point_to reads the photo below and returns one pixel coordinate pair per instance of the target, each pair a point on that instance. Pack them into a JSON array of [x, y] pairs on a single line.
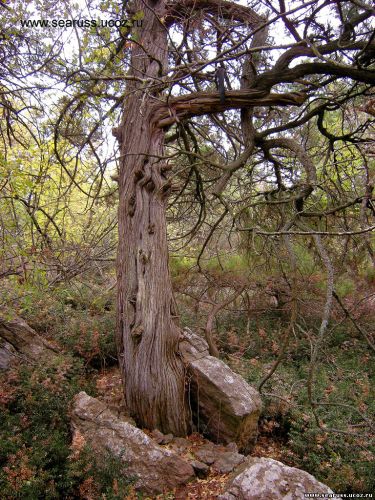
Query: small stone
[[206, 454], [157, 436], [201, 469], [167, 438], [227, 462], [232, 447], [180, 444]]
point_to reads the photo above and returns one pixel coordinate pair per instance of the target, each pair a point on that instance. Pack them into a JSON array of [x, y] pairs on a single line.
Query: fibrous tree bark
[[148, 333]]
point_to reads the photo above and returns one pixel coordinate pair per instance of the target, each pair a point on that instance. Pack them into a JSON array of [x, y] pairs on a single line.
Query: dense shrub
[[36, 459]]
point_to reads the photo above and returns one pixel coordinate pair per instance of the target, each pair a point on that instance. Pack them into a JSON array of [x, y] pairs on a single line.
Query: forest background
[[269, 209]]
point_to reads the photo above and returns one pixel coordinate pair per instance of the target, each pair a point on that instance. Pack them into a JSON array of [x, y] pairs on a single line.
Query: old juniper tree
[[287, 154], [287, 67]]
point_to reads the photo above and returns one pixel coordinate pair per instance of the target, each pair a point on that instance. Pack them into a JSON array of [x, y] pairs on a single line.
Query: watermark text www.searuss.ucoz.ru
[[80, 23]]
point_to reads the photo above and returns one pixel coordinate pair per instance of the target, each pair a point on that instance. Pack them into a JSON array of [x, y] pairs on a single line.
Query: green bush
[[35, 453], [179, 265], [90, 337], [344, 286], [340, 454]]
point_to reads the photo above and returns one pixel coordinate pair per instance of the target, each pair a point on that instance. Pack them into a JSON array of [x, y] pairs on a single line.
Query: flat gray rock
[[227, 462], [193, 346], [225, 407], [8, 355], [267, 479], [19, 339], [156, 469]]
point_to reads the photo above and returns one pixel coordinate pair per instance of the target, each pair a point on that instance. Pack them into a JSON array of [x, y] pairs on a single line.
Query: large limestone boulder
[[225, 407], [156, 469], [20, 342], [269, 479], [8, 355]]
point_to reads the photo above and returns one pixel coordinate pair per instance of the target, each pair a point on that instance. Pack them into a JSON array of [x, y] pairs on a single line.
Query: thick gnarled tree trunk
[[148, 333]]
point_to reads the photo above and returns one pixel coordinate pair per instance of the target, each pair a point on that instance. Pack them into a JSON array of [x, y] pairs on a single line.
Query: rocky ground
[[165, 466], [212, 463], [220, 472]]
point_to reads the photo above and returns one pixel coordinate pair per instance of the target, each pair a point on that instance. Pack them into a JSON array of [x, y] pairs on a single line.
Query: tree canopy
[[278, 175]]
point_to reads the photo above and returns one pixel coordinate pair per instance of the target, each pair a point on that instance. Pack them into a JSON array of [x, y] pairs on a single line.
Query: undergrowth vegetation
[[37, 459], [332, 441], [337, 447]]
